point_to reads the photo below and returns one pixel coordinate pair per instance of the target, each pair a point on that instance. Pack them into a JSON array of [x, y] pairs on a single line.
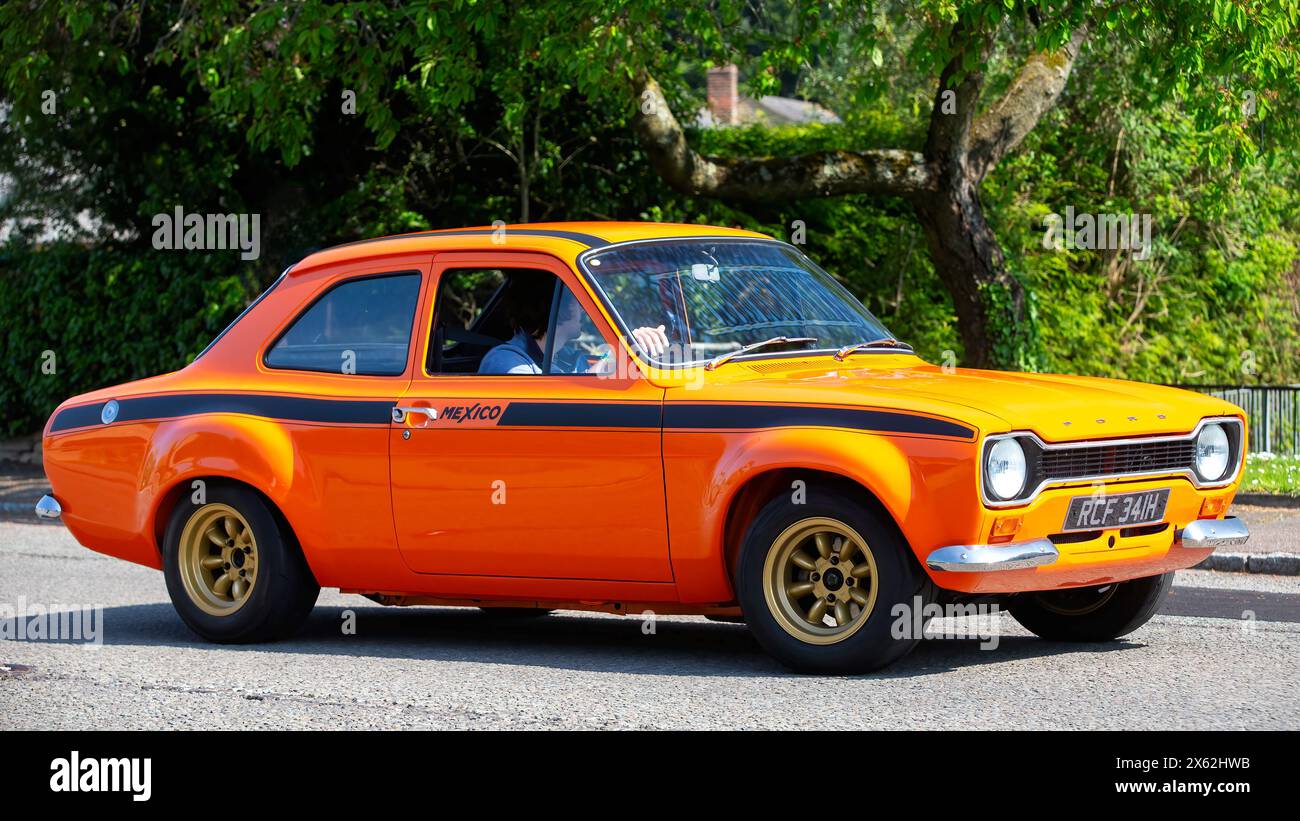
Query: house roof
[[773, 110]]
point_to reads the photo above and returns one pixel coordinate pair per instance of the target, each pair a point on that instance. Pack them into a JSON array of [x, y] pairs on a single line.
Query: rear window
[[361, 326]]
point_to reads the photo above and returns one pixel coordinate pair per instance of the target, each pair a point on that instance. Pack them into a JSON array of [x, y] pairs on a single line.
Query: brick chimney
[[724, 103]]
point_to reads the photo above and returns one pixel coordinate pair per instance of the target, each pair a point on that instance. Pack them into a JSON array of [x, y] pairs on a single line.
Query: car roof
[[563, 239]]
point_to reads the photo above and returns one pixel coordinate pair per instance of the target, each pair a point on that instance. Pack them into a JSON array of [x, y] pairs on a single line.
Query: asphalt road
[[1203, 663]]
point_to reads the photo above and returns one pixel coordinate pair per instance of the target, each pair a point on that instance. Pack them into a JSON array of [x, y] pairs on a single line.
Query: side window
[[465, 292], [513, 321], [468, 320], [361, 326], [575, 342]]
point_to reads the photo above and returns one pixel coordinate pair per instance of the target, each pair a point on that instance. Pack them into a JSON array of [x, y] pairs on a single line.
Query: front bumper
[[1213, 533], [1040, 564], [979, 558]]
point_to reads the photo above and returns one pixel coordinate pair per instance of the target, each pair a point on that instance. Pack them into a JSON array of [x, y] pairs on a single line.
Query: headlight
[[1005, 469], [1212, 453]]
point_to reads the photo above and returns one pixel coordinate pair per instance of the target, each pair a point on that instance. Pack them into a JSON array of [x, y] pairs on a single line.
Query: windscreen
[[715, 296]]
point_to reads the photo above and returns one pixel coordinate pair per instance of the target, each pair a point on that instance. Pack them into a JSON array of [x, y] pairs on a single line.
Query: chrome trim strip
[[48, 508], [1228, 532], [978, 558], [1099, 443]]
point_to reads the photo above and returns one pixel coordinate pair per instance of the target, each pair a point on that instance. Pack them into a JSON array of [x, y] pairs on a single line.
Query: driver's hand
[[652, 340]]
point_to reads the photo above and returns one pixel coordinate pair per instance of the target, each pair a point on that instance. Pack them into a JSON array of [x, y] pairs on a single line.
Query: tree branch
[[1032, 93], [768, 179]]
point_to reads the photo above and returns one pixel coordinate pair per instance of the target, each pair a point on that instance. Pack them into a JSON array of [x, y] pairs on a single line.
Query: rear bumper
[[48, 508], [1039, 564]]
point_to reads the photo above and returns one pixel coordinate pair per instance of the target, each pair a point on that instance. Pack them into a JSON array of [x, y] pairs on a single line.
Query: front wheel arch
[[758, 490], [789, 624]]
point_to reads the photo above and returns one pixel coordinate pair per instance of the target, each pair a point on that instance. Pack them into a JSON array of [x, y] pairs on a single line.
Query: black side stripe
[[672, 416], [748, 417], [590, 240], [580, 415], [724, 417], [289, 408], [78, 417]]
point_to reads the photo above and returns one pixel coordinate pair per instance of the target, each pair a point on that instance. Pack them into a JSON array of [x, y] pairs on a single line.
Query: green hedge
[[107, 315]]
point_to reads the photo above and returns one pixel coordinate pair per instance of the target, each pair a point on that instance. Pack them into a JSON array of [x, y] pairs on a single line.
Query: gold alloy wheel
[[820, 580], [218, 559], [1079, 601]]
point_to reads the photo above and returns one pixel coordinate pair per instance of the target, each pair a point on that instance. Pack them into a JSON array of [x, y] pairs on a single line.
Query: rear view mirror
[[704, 272]]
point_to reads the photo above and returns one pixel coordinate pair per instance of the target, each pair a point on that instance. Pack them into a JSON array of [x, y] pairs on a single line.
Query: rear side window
[[361, 326]]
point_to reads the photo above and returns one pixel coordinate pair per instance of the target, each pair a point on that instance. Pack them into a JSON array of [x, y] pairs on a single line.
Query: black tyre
[[1097, 613], [235, 574], [515, 613], [819, 583]]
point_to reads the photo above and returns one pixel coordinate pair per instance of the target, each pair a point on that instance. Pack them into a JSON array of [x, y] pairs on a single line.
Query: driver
[[527, 303]]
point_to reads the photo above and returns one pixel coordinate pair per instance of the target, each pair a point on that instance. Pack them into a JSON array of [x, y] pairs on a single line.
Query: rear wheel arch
[[234, 570], [180, 452], [183, 487]]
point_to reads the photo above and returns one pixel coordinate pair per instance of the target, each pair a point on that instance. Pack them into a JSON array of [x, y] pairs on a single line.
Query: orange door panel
[[544, 476], [511, 480]]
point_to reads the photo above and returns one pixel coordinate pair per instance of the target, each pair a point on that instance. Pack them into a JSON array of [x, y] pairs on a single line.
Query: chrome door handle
[[399, 413]]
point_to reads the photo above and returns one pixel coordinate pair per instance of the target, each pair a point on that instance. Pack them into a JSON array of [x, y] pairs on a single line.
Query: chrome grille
[[1115, 460], [1067, 463]]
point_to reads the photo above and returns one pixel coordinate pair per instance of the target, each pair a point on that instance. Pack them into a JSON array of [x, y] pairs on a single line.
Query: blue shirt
[[520, 355]]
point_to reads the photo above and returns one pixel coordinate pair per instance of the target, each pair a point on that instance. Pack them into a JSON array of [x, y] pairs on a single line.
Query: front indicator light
[[1212, 507], [1005, 528]]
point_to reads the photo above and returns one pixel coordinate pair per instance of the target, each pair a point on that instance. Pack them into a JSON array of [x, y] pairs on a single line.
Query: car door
[[554, 475]]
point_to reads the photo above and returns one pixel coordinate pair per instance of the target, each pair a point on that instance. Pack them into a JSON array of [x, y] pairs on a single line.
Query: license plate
[[1106, 511]]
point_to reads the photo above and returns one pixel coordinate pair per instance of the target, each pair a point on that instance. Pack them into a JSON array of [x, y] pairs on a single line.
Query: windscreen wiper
[[884, 342], [753, 346]]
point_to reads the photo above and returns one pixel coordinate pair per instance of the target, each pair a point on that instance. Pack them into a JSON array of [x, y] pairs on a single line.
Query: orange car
[[633, 417]]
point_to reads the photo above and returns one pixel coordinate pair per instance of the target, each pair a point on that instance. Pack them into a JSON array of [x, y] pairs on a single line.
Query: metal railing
[[1272, 411]]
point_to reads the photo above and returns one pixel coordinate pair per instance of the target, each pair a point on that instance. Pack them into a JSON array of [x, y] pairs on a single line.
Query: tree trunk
[[941, 182], [969, 261]]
